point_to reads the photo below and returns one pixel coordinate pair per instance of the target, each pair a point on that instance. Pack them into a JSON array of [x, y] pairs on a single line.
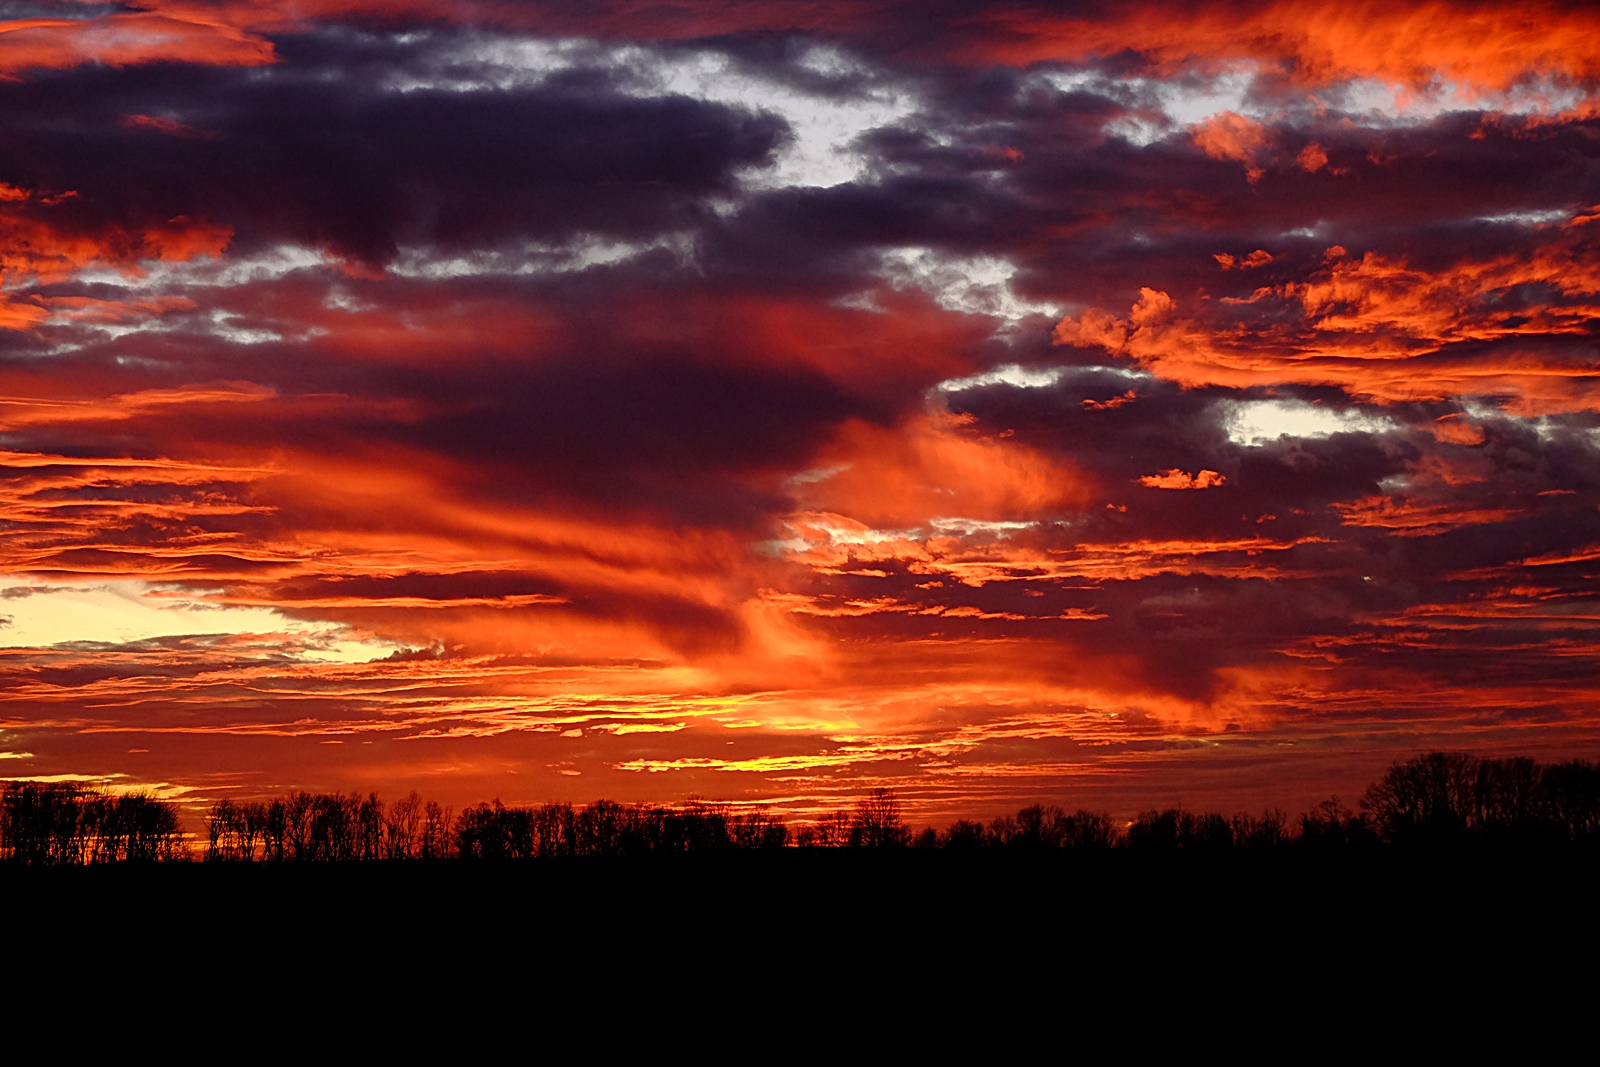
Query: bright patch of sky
[[1259, 422], [944, 526], [114, 330], [1526, 218], [836, 535], [1012, 374], [817, 474], [824, 126], [967, 527], [841, 535], [269, 265], [1160, 107], [973, 285], [1020, 377], [1547, 427], [119, 612], [277, 263], [492, 62], [1381, 103], [540, 258], [1183, 104], [222, 324]]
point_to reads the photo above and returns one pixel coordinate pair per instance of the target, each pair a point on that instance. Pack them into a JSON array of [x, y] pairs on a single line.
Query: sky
[[1111, 405]]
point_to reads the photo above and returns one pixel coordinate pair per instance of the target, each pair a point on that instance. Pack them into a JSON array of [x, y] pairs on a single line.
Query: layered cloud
[[1101, 404]]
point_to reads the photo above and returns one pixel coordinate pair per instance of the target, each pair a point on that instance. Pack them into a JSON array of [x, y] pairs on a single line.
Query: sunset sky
[[1111, 405]]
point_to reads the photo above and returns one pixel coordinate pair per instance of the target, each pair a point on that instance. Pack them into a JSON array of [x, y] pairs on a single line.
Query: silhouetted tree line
[[1439, 797], [1036, 827], [330, 827], [1445, 796], [55, 823], [305, 826], [605, 828], [1436, 798]]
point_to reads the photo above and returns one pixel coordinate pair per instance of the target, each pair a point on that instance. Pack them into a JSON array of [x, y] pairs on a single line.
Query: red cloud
[[1378, 326], [1230, 136], [1483, 46], [124, 39], [38, 246]]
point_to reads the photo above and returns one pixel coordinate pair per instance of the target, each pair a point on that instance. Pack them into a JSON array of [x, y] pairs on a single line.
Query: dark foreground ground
[[800, 901], [957, 941]]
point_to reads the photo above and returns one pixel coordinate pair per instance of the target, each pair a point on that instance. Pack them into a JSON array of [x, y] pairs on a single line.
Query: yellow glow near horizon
[[121, 612]]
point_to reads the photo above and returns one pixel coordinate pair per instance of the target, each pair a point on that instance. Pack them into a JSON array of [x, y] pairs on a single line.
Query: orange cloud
[[1457, 429], [1259, 258], [1407, 519], [18, 412], [1177, 479], [1379, 327], [1115, 402], [1312, 158], [1227, 135], [124, 39], [1484, 46], [38, 246], [19, 314], [934, 466]]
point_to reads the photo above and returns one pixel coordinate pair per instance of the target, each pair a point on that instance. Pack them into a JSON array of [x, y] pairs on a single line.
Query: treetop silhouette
[[1437, 798]]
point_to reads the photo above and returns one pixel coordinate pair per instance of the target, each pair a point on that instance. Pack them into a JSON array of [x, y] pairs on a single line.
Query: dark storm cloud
[[1154, 214], [335, 160], [650, 432]]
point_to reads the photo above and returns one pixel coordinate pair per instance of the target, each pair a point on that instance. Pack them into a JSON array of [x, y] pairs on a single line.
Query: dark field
[[1305, 916]]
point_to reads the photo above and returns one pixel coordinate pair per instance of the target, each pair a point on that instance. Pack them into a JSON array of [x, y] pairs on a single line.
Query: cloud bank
[[1002, 403]]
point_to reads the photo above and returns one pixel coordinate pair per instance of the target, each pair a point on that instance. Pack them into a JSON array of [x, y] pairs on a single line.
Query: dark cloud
[[337, 160]]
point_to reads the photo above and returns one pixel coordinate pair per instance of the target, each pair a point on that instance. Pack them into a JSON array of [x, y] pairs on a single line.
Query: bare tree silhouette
[[877, 822], [62, 823], [1431, 797]]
